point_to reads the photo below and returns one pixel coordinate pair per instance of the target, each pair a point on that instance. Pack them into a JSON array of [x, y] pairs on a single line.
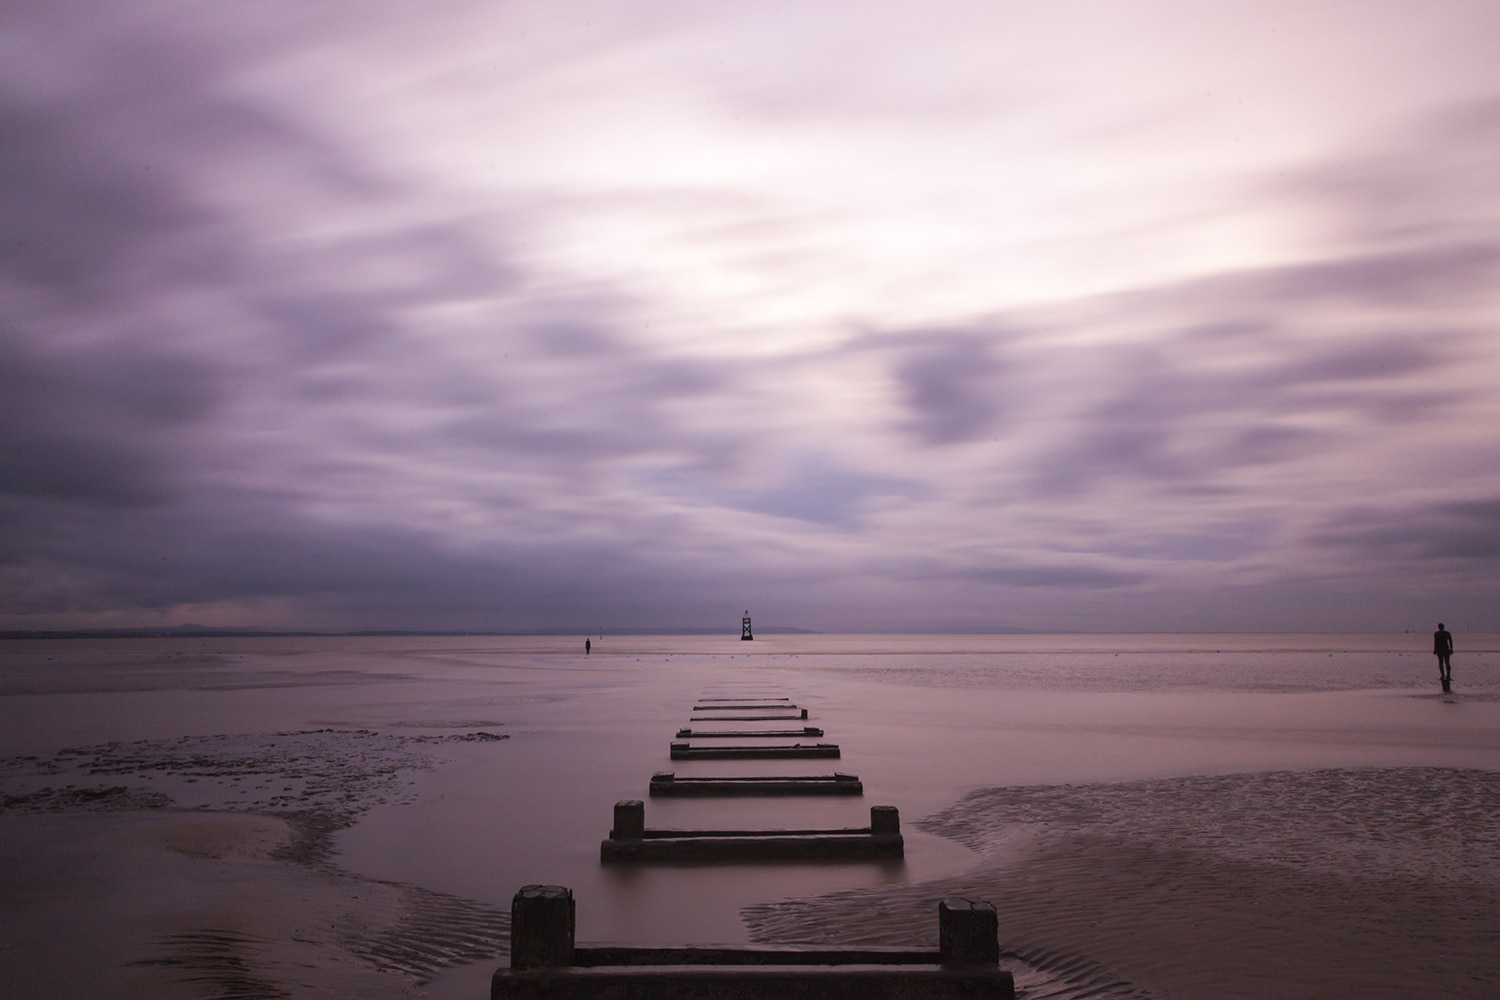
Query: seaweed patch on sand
[[232, 838], [1368, 882]]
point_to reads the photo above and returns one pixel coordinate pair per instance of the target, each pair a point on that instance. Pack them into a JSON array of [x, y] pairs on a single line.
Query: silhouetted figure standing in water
[[1442, 647], [588, 645]]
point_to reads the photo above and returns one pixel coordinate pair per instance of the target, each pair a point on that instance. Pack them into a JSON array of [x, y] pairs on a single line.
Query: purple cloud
[[374, 321]]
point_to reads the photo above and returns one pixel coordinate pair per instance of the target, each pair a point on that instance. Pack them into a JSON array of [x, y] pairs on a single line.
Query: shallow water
[[923, 720]]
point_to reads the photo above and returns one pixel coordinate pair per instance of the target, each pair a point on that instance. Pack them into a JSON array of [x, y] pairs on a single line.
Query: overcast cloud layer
[[1060, 315]]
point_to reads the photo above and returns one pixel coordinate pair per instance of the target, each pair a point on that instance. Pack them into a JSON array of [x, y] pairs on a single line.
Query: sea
[[442, 773]]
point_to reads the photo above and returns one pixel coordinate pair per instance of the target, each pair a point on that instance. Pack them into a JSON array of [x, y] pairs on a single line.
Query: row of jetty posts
[[546, 961]]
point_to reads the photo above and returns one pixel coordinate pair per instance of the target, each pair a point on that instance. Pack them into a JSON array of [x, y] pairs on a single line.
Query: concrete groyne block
[[667, 783], [715, 734], [748, 718], [685, 751], [768, 697], [966, 964], [880, 840]]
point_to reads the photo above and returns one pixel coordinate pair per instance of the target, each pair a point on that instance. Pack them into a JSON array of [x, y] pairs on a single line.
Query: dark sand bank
[[1379, 882]]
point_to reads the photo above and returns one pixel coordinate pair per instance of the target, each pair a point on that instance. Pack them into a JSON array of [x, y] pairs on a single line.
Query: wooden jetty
[[667, 783], [713, 734], [545, 961], [631, 841], [775, 751], [745, 706]]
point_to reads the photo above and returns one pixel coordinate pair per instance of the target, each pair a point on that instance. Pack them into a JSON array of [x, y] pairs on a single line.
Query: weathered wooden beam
[[765, 698], [779, 751], [667, 783], [751, 982], [747, 718], [745, 707], [714, 734], [966, 964], [612, 955], [881, 839]]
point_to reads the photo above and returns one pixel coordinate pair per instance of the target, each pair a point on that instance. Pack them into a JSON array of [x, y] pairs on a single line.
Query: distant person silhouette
[[1442, 648], [588, 645]]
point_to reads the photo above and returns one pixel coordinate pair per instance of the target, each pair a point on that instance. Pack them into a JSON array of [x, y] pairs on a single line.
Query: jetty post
[[630, 820], [885, 821], [542, 926], [968, 932]]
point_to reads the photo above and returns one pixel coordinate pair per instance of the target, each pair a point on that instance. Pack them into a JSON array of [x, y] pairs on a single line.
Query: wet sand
[[206, 867], [297, 818], [1374, 882]]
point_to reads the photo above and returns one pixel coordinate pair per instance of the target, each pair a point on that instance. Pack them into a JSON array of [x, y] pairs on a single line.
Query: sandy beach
[[268, 818]]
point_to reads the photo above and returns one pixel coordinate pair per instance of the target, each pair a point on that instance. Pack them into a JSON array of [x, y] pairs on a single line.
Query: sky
[[888, 316]]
